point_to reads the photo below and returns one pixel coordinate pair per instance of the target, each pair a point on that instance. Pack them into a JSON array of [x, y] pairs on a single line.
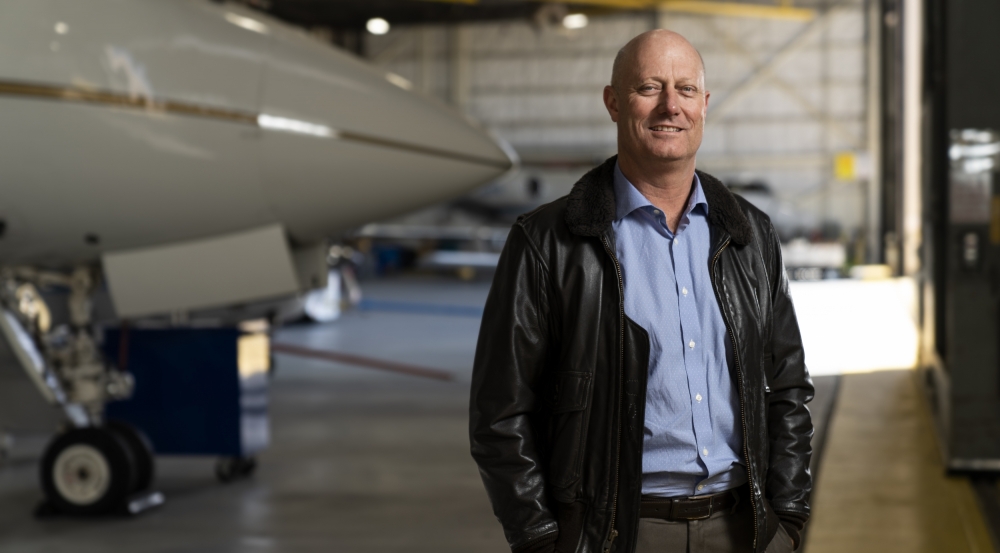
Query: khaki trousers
[[723, 532]]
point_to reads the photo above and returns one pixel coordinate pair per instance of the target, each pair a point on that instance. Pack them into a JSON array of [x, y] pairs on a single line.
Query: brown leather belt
[[687, 508]]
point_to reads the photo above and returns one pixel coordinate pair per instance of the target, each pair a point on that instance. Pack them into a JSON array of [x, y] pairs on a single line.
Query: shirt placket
[[694, 349]]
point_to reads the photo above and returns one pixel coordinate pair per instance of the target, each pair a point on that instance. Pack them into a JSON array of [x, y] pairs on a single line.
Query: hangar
[[245, 249]]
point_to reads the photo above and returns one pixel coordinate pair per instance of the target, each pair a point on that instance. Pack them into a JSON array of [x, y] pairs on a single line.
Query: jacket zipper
[[613, 533], [743, 413]]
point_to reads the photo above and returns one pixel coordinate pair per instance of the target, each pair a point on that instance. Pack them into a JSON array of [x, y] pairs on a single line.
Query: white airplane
[[188, 155]]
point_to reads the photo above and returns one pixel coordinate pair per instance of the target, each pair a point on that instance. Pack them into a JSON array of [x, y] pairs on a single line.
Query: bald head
[[626, 61], [658, 100]]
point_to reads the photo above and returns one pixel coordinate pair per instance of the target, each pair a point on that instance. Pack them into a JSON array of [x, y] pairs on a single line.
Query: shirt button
[[698, 398], [684, 291], [676, 240], [705, 452], [656, 212], [701, 487], [690, 344]]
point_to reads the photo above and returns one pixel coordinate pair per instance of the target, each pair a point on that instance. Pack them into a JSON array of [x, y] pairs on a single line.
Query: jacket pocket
[[571, 517], [570, 398]]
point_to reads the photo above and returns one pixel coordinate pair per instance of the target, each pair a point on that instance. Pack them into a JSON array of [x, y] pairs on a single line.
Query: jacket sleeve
[[790, 428], [510, 357]]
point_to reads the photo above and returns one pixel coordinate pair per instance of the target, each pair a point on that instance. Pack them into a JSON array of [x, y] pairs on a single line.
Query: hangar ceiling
[[351, 15]]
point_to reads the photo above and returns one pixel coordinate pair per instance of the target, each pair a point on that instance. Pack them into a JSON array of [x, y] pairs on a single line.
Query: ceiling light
[[399, 80], [377, 26], [575, 21], [62, 28]]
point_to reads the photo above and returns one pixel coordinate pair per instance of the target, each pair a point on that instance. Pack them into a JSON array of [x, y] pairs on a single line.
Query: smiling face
[[658, 99]]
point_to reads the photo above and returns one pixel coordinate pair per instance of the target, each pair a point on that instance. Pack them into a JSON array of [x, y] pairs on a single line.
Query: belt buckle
[[690, 512]]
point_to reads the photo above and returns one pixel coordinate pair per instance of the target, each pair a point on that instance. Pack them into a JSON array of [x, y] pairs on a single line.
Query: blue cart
[[198, 391]]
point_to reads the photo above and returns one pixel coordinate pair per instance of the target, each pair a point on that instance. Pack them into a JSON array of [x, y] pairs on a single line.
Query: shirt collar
[[628, 198]]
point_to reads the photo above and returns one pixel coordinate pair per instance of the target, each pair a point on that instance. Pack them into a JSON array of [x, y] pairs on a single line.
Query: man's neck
[[667, 185]]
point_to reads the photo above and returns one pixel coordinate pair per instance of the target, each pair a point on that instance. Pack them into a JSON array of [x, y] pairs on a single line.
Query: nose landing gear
[[97, 470]]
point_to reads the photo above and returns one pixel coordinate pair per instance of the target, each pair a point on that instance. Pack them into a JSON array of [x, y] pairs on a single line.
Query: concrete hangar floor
[[370, 460]]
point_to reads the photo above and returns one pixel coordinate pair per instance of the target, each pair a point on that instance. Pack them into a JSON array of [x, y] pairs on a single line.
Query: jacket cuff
[[541, 544], [793, 523]]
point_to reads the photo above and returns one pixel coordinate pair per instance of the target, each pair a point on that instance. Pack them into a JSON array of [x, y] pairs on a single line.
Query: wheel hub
[[81, 474]]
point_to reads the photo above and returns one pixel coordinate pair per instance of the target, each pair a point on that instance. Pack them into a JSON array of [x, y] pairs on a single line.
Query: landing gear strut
[[95, 466]]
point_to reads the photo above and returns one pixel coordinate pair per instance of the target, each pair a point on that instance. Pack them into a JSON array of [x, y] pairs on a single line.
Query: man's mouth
[[665, 128]]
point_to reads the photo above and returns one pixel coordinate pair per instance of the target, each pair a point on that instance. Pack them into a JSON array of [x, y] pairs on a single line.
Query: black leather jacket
[[559, 384]]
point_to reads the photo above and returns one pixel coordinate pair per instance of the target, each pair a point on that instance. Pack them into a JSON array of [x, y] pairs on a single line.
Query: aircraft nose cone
[[343, 146]]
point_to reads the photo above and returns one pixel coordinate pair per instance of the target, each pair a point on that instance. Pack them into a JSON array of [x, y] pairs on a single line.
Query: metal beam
[[460, 67], [759, 74], [913, 65], [764, 161], [595, 121], [708, 7], [873, 203], [734, 9], [426, 53], [789, 89], [586, 155], [402, 44]]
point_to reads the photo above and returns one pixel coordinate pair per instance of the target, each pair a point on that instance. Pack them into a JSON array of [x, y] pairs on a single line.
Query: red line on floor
[[361, 361]]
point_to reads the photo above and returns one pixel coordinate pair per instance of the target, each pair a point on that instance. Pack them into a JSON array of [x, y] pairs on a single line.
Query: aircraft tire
[[142, 453], [87, 471]]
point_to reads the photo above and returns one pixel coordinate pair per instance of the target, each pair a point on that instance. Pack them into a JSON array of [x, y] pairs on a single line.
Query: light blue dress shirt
[[693, 435]]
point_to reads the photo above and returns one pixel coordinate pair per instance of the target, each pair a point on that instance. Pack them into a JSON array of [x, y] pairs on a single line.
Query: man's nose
[[669, 102]]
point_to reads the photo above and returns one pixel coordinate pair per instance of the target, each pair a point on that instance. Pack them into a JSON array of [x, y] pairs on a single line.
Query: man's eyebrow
[[690, 82]]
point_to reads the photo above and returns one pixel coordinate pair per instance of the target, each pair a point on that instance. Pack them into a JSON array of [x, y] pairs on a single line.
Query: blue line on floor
[[421, 308]]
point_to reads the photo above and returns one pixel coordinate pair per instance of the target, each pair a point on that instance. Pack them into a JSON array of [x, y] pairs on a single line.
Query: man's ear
[[611, 102]]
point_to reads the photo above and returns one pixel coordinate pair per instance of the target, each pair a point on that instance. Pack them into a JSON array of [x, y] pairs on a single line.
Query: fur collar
[[590, 207]]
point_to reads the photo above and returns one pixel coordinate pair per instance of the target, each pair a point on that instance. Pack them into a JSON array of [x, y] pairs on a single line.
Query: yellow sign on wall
[[845, 166]]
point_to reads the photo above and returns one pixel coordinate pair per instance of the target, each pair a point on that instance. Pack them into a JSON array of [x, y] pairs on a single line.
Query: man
[[639, 383]]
